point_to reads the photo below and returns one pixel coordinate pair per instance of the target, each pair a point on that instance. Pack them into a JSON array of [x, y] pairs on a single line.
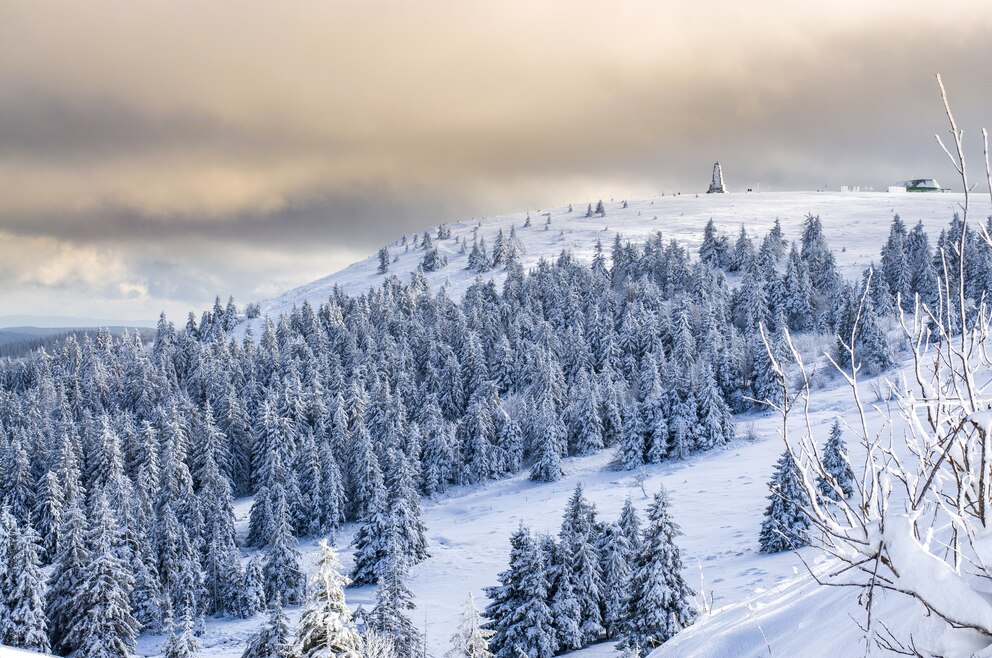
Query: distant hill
[[855, 225], [23, 321], [19, 341]]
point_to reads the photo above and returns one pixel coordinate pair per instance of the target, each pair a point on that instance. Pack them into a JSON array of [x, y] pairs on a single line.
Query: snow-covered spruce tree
[[895, 265], [860, 339], [478, 259], [616, 558], [630, 451], [182, 640], [630, 524], [582, 568], [389, 617], [28, 625], [751, 307], [364, 473], [610, 403], [715, 421], [518, 612], [922, 275], [471, 640], [65, 601], [653, 423], [384, 259], [562, 601], [17, 482], [9, 536], [744, 253], [476, 436], [839, 479], [766, 389], [683, 426], [371, 540], [252, 598], [550, 446], [438, 462], [187, 592], [47, 516], [433, 260], [404, 508], [305, 506], [820, 262], [326, 627], [713, 250], [272, 640], [509, 441], [330, 493], [585, 429], [797, 293], [222, 575], [660, 600], [786, 524], [106, 628], [281, 571]]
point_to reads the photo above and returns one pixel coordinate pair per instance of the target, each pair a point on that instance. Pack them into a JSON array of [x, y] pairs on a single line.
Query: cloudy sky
[[154, 154]]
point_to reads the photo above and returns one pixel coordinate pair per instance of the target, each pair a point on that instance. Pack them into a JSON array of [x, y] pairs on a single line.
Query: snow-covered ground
[[7, 652], [762, 604]]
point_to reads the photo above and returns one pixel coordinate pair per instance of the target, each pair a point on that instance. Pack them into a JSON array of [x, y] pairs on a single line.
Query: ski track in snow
[[718, 497]]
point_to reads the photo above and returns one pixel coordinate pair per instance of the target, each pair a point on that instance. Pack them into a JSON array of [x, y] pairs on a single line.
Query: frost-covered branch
[[917, 522]]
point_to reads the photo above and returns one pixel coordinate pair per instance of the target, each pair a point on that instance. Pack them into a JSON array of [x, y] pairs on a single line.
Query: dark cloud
[[236, 147]]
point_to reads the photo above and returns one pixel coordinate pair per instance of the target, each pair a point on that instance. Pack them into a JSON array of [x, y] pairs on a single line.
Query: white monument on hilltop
[[717, 186]]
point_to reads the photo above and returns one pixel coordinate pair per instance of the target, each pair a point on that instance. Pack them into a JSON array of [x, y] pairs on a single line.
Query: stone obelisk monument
[[717, 186]]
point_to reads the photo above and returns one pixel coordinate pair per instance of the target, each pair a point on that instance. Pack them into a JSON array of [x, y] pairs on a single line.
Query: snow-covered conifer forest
[[502, 438]]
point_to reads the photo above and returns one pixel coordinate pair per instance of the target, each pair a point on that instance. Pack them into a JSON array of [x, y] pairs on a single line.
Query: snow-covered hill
[[855, 224], [761, 604]]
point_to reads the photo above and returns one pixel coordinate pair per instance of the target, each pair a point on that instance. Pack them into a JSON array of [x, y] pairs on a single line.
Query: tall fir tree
[[837, 466], [28, 625], [389, 617], [281, 570], [550, 446], [66, 600], [786, 524], [182, 641], [273, 639], [222, 577], [630, 524], [631, 449], [371, 540], [585, 429], [582, 565], [107, 628], [660, 599], [326, 626], [616, 559], [520, 619], [404, 508], [48, 513], [471, 640]]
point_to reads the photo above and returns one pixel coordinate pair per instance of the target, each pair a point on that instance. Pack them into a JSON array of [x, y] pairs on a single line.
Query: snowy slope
[[759, 601], [855, 224], [718, 499]]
